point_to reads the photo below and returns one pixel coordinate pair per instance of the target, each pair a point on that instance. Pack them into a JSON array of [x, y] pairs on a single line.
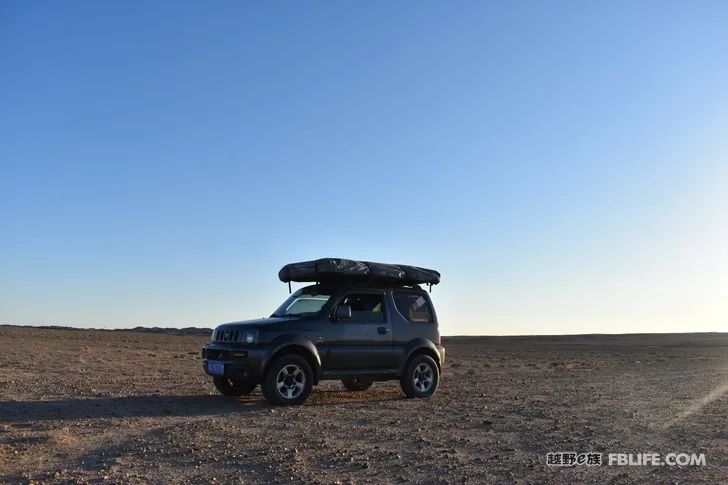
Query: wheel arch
[[296, 345], [418, 347]]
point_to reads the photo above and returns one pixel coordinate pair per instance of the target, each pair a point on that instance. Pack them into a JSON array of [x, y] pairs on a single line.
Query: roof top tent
[[336, 270]]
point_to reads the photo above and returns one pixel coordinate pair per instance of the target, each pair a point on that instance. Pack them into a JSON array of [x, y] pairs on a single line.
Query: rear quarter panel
[[408, 336]]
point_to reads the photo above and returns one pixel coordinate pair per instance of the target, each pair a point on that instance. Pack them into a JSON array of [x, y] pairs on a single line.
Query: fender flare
[[415, 346], [299, 344]]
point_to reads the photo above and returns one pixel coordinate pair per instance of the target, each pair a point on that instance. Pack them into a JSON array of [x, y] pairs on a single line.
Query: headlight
[[249, 336]]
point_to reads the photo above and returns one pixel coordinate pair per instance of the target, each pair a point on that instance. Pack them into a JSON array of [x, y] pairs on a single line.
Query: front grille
[[226, 336]]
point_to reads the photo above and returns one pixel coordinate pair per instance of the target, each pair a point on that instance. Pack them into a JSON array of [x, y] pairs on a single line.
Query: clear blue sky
[[563, 164]]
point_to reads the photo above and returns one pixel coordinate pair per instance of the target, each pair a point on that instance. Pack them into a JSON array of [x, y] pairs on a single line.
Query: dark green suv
[[361, 322]]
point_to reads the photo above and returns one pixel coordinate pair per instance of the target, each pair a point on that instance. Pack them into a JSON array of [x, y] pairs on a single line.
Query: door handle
[[383, 330]]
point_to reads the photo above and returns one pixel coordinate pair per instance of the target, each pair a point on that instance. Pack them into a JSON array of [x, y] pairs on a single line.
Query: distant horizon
[[194, 327]]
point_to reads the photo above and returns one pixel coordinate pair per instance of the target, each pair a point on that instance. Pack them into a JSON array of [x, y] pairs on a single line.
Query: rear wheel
[[421, 377], [356, 383], [288, 380], [229, 388]]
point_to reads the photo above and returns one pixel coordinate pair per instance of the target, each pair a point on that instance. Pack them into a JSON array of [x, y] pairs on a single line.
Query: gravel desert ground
[[85, 406]]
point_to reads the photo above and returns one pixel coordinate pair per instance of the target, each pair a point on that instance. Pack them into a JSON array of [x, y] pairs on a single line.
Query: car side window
[[365, 307], [413, 306]]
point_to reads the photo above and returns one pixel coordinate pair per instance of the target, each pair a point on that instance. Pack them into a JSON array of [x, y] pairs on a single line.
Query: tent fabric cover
[[336, 268]]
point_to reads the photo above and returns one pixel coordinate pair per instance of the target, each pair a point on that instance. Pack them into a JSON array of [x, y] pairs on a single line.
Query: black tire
[[288, 380], [354, 383], [421, 377], [230, 388]]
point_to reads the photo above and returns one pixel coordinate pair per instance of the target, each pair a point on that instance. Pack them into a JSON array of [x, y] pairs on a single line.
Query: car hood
[[256, 323]]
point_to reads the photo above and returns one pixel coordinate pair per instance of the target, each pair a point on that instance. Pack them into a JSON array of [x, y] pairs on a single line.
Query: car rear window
[[413, 306]]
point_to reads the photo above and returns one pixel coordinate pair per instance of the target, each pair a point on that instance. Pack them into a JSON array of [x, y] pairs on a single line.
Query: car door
[[364, 341]]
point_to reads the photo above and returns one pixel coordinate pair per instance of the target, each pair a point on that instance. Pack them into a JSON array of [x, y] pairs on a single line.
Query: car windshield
[[307, 302]]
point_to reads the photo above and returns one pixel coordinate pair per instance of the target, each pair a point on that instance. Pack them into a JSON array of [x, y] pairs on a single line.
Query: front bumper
[[241, 363]]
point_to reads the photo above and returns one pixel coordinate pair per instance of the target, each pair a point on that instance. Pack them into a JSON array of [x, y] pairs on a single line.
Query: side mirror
[[343, 312]]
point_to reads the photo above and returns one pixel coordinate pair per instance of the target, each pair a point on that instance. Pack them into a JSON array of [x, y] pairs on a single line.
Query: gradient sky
[[563, 164]]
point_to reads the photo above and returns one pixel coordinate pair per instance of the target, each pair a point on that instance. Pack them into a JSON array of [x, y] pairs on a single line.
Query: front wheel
[[421, 377], [356, 383], [229, 388], [288, 380]]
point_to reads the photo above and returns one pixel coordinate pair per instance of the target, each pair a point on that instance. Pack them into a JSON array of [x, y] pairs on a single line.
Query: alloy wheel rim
[[290, 381], [423, 377]]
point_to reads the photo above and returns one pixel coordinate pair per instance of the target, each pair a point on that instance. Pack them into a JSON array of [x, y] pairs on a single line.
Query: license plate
[[216, 368]]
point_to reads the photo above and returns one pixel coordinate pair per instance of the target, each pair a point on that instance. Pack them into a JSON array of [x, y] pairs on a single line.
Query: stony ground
[[128, 407]]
